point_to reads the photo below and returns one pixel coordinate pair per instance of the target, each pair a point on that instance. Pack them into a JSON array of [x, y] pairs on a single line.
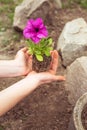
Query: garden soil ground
[[47, 108]]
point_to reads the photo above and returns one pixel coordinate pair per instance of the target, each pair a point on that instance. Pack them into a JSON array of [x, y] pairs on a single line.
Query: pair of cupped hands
[[25, 62]]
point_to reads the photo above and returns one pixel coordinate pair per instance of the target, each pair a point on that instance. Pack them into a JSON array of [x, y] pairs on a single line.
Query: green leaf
[[50, 41], [39, 57], [50, 48], [30, 51], [31, 44], [37, 52], [42, 41], [47, 53]]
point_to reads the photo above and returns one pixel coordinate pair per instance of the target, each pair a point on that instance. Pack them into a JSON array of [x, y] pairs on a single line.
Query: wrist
[[32, 78], [30, 83], [20, 70]]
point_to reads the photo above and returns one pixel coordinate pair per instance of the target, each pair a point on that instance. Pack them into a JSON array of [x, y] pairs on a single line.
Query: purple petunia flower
[[35, 30]]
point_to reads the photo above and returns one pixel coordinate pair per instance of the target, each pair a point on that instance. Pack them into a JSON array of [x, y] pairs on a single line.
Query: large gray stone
[[28, 7], [72, 42], [76, 79], [23, 11]]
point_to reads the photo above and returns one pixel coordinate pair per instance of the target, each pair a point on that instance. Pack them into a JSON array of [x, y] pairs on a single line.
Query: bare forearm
[[15, 93], [9, 68]]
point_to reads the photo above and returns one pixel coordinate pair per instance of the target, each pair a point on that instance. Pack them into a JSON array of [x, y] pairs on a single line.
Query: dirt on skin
[[47, 108]]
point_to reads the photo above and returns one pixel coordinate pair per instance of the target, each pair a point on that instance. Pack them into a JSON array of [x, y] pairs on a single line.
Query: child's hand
[[49, 76], [23, 60], [16, 92]]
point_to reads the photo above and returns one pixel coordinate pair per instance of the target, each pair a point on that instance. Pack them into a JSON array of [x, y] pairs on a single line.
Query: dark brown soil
[[41, 66], [84, 117], [47, 108]]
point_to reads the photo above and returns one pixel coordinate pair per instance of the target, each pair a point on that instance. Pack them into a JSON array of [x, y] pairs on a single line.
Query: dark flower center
[[36, 29]]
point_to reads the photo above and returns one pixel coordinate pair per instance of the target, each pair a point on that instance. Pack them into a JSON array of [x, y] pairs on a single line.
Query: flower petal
[[35, 39], [30, 22], [35, 30], [28, 33], [38, 22], [40, 36], [45, 32], [42, 33]]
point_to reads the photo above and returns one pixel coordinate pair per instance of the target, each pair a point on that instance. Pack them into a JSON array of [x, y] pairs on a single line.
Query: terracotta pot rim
[[81, 102]]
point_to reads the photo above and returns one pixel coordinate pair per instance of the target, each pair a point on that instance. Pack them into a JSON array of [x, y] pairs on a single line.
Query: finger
[[30, 59], [53, 78], [19, 55], [60, 78], [57, 78], [54, 63], [51, 52], [21, 51], [24, 49], [30, 63], [28, 53]]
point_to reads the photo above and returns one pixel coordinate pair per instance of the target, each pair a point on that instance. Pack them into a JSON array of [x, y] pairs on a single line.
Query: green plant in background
[[5, 42], [69, 3], [7, 12], [18, 1], [7, 8], [10, 16], [10, 1], [82, 3], [6, 1], [1, 128]]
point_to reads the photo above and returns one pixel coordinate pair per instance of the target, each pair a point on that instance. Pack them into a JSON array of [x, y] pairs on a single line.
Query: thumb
[[59, 78], [19, 55]]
